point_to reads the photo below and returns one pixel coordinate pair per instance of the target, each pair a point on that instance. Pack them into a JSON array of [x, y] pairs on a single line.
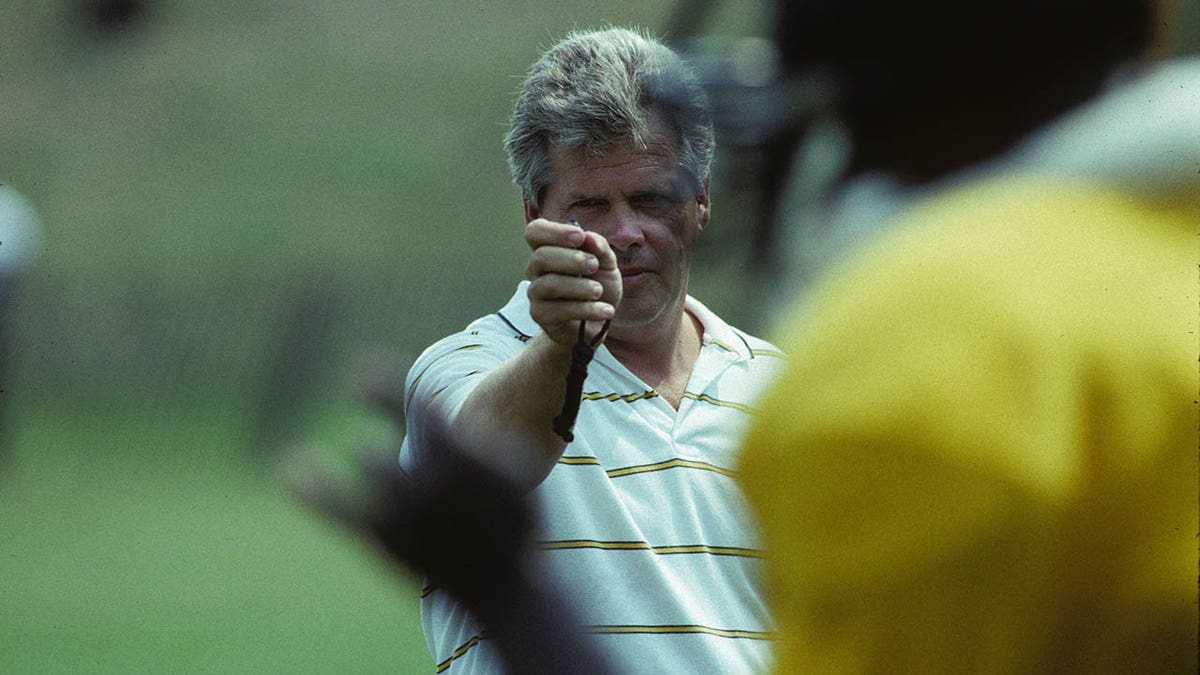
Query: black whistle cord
[[581, 356]]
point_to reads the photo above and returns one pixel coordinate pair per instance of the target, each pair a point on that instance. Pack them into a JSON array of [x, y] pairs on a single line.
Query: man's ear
[[531, 212], [704, 204]]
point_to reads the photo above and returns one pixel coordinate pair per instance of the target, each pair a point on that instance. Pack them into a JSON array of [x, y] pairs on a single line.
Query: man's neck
[[663, 359]]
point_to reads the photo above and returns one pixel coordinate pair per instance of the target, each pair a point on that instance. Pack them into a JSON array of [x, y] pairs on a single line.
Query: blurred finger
[[384, 473], [380, 381], [598, 246], [316, 486]]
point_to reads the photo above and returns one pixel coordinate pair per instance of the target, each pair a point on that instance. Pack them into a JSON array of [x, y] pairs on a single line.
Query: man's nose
[[623, 227]]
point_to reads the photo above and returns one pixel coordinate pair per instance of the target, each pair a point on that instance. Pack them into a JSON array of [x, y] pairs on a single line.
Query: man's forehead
[[653, 154]]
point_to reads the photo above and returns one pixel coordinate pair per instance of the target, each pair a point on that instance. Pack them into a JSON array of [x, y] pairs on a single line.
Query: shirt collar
[[516, 312], [716, 331]]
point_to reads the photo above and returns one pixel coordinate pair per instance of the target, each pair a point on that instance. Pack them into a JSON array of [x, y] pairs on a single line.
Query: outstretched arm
[[573, 277]]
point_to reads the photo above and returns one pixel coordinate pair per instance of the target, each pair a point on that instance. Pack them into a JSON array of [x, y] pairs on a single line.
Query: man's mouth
[[633, 277]]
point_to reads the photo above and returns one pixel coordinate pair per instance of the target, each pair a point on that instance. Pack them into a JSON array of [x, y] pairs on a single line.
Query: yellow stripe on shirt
[[705, 398], [628, 398], [576, 544], [682, 630], [669, 464]]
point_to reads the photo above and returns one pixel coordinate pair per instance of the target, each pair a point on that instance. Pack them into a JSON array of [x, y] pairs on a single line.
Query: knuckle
[[537, 289]]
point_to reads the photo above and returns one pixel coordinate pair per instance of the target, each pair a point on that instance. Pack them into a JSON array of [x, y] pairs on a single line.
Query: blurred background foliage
[[240, 203]]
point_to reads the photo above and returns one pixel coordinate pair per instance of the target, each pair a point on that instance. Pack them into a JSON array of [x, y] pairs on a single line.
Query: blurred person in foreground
[[639, 517], [469, 529], [982, 456]]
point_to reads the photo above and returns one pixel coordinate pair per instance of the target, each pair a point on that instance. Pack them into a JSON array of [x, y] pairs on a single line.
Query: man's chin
[[637, 314]]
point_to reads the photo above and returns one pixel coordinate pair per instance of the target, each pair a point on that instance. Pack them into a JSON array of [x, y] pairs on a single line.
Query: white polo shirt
[[642, 520]]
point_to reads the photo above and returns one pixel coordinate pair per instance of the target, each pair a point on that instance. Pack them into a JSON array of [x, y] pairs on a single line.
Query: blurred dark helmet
[[927, 87], [921, 88], [917, 89]]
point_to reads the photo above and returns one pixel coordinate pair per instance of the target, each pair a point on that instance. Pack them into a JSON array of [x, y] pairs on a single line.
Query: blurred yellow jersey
[[983, 456]]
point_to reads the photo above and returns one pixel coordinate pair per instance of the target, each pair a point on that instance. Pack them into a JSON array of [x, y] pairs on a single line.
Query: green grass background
[[240, 200], [229, 187]]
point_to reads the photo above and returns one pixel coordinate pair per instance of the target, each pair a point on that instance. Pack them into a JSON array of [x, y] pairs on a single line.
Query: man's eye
[[652, 201]]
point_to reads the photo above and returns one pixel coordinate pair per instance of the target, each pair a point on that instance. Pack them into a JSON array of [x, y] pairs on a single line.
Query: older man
[[641, 519]]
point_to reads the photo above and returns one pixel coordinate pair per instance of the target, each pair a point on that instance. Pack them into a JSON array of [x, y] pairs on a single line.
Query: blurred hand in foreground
[[467, 529]]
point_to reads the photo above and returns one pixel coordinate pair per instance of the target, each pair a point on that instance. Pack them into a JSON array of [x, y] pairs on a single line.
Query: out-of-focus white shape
[[20, 231], [1143, 134]]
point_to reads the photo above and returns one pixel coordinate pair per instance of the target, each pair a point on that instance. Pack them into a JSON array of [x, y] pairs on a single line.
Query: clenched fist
[[573, 277]]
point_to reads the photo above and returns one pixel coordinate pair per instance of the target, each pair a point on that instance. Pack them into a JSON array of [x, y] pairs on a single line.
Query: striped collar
[[716, 331]]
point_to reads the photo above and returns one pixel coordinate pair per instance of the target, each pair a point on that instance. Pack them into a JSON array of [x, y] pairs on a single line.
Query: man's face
[[646, 206]]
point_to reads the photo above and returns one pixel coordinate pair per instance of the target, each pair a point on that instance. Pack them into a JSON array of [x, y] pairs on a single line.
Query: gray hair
[[596, 88]]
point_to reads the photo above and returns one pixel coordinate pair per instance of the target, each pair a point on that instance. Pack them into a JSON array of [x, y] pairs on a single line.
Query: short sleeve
[[444, 376]]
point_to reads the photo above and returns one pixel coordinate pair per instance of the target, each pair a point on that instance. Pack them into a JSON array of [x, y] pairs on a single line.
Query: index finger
[[542, 232], [597, 245]]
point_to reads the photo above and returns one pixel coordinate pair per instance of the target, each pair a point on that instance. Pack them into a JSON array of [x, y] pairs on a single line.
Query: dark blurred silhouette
[[469, 531], [929, 88]]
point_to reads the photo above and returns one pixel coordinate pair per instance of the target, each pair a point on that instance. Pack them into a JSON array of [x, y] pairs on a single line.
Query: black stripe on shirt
[[417, 380], [523, 337]]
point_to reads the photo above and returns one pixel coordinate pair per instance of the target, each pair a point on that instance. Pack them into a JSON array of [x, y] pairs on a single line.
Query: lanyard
[[581, 355]]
